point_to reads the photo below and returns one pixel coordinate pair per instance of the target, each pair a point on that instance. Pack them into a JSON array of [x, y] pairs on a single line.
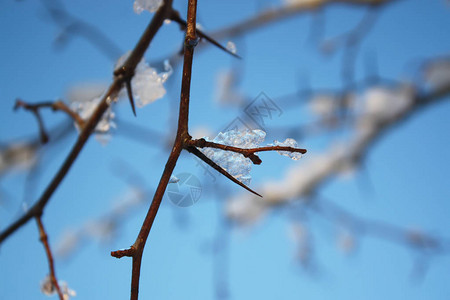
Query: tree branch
[[120, 77], [44, 239]]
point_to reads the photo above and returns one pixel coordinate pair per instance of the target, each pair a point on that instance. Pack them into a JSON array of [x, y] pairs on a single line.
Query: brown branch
[[44, 239], [137, 249], [55, 106], [121, 76], [249, 153]]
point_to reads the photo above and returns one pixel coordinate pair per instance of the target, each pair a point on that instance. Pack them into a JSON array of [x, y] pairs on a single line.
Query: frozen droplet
[[47, 287], [288, 143], [231, 47], [173, 179]]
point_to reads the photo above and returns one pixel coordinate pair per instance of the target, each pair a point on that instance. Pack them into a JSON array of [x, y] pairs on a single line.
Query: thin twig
[[249, 153], [55, 106], [44, 239]]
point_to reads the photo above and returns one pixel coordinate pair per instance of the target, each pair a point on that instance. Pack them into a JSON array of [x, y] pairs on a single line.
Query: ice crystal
[[235, 163], [147, 83], [48, 289], [173, 179], [85, 110], [151, 5], [288, 143], [231, 47]]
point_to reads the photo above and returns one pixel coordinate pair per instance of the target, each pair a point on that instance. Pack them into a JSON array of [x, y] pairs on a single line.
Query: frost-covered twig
[[249, 153]]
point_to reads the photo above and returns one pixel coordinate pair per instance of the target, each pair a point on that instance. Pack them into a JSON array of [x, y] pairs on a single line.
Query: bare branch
[[249, 153], [44, 239], [122, 75], [55, 106]]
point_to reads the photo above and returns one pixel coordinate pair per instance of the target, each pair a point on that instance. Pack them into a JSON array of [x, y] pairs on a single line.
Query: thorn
[[176, 18], [130, 96], [219, 169]]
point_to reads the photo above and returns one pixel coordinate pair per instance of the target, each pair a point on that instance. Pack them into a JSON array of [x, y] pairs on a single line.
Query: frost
[[231, 47], [147, 84], [151, 5], [48, 289], [173, 179], [85, 110], [235, 163], [288, 143]]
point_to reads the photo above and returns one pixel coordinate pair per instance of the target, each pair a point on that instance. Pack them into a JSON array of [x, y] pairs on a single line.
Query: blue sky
[[407, 167]]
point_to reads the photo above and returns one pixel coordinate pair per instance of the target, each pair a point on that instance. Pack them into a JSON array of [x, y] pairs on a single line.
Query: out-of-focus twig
[[72, 26]]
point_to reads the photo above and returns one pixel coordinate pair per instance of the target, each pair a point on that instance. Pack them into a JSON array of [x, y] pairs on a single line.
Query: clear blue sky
[[407, 167]]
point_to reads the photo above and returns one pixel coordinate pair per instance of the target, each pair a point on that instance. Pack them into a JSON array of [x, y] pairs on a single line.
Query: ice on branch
[[231, 47], [151, 5], [173, 179], [85, 109], [48, 289], [147, 84], [235, 163], [288, 143]]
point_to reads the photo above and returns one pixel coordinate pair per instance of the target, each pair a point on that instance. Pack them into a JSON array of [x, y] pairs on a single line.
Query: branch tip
[[123, 252]]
